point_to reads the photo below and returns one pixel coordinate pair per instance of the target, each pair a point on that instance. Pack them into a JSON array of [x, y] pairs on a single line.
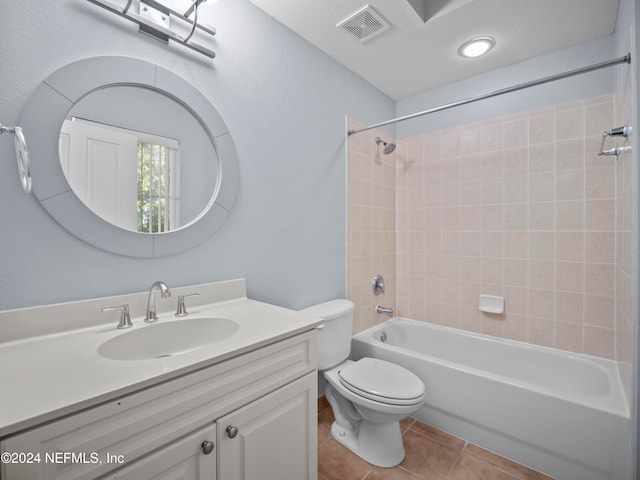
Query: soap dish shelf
[[491, 304]]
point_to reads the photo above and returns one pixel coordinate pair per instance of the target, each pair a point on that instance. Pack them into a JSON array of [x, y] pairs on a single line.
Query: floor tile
[[502, 463], [325, 419], [323, 403], [425, 456], [406, 423], [470, 468], [396, 473], [336, 462], [438, 435], [533, 475], [431, 454]]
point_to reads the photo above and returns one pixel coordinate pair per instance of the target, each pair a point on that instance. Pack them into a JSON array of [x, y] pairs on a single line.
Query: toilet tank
[[334, 338]]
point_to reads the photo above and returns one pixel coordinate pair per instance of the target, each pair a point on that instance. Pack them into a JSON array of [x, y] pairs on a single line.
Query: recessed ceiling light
[[476, 47]]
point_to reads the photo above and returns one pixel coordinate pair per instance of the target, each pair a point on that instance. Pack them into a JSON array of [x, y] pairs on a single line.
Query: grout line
[[367, 474], [455, 464]]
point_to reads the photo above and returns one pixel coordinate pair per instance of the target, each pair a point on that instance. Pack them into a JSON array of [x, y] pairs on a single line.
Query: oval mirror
[[138, 159], [129, 157]]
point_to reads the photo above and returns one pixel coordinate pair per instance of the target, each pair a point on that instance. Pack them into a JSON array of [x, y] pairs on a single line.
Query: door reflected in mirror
[[138, 159]]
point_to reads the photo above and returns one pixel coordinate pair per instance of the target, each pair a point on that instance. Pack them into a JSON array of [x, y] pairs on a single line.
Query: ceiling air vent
[[365, 24]]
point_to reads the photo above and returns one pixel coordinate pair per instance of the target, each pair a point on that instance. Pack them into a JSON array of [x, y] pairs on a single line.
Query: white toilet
[[368, 397]]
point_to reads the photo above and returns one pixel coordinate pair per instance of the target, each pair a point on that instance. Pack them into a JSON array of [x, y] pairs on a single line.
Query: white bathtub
[[560, 413]]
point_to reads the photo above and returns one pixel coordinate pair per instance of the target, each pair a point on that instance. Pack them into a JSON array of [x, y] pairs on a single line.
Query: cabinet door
[[272, 438], [191, 458]]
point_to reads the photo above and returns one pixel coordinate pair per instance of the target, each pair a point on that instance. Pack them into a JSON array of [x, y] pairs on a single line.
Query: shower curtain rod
[[596, 66]]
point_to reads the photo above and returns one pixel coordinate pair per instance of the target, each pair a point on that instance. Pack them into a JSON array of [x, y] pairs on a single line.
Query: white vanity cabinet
[[269, 438], [265, 399]]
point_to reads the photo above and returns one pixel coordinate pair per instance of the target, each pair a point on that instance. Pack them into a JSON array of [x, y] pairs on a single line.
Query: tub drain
[[383, 336]]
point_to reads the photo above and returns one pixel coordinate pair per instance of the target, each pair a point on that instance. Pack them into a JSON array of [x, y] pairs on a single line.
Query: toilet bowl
[[368, 402], [368, 397]]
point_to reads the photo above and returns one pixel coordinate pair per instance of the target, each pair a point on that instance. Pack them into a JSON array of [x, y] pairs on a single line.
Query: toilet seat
[[382, 382]]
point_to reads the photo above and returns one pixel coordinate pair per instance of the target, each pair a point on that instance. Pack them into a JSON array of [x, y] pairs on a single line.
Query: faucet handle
[[181, 311], [377, 285], [125, 318]]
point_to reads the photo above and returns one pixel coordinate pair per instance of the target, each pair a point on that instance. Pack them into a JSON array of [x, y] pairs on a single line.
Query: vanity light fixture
[[154, 19], [476, 47]]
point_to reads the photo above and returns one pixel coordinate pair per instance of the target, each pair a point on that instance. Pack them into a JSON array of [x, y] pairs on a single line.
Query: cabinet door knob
[[232, 431], [207, 447]]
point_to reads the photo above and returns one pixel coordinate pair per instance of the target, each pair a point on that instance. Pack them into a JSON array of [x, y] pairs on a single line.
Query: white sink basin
[[161, 340]]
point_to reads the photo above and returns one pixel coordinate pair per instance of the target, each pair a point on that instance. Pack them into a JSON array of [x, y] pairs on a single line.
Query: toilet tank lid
[[331, 309]]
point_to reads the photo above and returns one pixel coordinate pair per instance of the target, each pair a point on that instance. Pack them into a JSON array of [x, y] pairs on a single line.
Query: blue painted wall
[[285, 104]]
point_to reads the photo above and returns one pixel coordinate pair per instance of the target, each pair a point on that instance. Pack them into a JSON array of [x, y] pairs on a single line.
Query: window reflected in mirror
[[158, 186], [129, 178]]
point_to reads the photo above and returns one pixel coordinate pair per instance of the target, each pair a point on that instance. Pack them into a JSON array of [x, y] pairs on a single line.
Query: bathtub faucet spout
[[387, 311]]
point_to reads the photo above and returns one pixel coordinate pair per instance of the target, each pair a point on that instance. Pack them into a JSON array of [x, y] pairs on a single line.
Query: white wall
[[284, 102], [560, 61]]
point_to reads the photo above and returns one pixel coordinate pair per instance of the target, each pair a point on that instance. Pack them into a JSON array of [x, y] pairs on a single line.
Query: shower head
[[388, 147], [22, 155]]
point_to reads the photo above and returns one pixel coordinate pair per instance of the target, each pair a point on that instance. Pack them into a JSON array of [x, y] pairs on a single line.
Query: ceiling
[[419, 51]]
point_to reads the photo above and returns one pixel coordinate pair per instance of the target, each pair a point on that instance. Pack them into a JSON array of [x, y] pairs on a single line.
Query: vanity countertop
[[47, 376]]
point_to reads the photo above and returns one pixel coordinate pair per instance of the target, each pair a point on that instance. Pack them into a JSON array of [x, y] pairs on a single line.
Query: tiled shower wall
[[519, 206], [371, 224]]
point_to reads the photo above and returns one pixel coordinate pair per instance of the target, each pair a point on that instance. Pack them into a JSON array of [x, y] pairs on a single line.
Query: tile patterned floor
[[431, 454]]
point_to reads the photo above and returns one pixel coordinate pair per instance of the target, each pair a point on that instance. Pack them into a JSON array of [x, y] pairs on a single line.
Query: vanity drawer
[[90, 443]]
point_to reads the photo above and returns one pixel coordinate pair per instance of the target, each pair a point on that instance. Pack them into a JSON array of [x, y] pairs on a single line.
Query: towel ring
[[22, 155]]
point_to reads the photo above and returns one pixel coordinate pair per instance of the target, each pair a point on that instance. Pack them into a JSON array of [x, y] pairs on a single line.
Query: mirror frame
[[42, 118]]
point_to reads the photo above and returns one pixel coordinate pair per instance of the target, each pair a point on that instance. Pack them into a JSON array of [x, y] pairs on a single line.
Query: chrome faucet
[[387, 311], [151, 316]]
